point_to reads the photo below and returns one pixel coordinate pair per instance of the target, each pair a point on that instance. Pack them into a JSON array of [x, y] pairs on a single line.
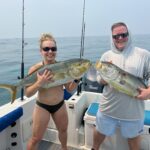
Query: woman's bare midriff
[[51, 96]]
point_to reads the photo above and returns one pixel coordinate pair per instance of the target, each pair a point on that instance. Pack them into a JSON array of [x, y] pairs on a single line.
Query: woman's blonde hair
[[46, 37]]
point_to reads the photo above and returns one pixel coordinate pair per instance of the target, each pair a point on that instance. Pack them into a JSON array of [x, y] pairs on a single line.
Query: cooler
[[89, 121]]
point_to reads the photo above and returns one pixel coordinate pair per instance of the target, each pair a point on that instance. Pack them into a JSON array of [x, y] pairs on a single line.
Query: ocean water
[[68, 47]]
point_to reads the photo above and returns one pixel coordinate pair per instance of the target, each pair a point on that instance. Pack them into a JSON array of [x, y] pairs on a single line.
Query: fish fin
[[12, 89]]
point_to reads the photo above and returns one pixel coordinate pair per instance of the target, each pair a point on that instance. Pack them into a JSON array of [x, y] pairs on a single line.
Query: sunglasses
[[122, 35], [46, 49]]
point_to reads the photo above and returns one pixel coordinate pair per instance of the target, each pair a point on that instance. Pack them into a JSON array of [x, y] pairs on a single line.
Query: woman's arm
[[72, 85]]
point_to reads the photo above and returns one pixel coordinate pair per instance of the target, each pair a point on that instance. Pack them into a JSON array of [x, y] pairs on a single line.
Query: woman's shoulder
[[35, 67]]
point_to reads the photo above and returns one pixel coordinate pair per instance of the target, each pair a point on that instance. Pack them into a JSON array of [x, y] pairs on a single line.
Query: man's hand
[[144, 93]]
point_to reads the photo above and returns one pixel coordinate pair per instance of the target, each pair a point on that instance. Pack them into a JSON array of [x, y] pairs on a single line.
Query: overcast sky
[[64, 17]]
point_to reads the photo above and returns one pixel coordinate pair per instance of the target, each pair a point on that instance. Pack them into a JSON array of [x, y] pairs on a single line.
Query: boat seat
[[93, 108], [10, 118], [67, 95]]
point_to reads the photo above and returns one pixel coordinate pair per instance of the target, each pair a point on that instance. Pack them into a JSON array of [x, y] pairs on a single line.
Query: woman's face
[[120, 37], [48, 50]]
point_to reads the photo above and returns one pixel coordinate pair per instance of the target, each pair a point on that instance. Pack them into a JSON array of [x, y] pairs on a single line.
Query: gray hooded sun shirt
[[135, 61]]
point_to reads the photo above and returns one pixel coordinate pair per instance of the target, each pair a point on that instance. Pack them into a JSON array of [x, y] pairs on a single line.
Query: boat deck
[[44, 145]]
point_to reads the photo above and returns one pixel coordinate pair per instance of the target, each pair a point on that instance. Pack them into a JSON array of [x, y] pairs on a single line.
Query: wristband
[[76, 81]]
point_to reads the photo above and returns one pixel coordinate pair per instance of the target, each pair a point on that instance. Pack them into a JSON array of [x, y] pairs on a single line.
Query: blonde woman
[[50, 103]]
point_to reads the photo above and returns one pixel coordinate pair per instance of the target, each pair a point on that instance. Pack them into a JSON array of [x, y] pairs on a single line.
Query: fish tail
[[12, 89]]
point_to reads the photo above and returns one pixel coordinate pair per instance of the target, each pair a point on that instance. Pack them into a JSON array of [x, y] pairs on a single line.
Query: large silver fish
[[120, 79], [64, 72]]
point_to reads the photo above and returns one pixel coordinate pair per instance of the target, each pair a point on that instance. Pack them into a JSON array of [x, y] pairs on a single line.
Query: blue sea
[[68, 47]]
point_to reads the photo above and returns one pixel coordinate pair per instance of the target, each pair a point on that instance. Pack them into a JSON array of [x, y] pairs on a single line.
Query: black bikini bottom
[[50, 108]]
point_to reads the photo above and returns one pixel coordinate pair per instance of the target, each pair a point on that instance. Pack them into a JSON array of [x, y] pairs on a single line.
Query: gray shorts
[[107, 126]]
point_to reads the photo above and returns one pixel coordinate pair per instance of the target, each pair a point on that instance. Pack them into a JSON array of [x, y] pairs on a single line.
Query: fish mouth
[[105, 71], [78, 70], [98, 65]]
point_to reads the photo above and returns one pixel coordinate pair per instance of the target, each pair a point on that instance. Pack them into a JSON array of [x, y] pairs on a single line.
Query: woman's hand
[[45, 77], [103, 82]]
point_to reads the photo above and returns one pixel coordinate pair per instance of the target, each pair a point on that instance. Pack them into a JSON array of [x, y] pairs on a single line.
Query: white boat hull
[[79, 134]]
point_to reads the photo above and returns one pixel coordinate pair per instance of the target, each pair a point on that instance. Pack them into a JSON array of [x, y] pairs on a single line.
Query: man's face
[[120, 37]]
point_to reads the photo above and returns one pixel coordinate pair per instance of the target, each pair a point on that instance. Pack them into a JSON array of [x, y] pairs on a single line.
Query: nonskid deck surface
[[44, 145]]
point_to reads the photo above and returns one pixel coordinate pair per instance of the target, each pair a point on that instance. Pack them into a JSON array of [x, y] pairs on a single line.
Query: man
[[118, 109]]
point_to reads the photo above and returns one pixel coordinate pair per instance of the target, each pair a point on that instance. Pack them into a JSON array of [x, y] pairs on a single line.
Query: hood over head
[[128, 46]]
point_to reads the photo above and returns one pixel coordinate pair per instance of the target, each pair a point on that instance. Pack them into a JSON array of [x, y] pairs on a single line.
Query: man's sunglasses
[[117, 36], [46, 49]]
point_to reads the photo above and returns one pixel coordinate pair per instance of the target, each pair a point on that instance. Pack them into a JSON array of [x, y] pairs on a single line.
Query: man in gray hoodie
[[118, 109]]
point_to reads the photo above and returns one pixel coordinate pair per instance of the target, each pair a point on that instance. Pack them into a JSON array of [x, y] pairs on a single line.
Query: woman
[[49, 101]]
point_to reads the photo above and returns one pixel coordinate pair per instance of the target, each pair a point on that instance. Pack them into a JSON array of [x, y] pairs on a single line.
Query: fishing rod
[[22, 59], [82, 32], [79, 88]]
